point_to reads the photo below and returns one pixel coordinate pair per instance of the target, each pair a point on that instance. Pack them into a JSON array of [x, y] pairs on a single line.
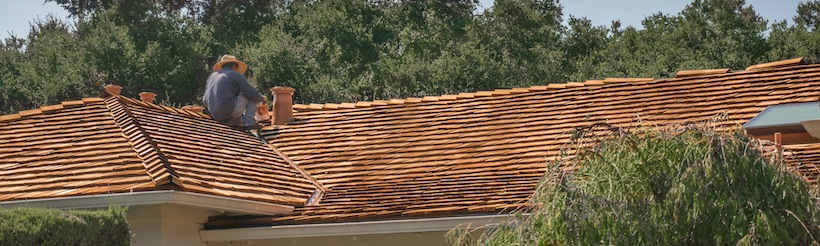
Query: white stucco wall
[[167, 224]]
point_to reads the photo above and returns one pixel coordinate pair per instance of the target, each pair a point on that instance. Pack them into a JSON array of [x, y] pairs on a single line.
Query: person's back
[[229, 97]]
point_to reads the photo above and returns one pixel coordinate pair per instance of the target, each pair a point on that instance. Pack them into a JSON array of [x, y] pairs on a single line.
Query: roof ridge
[[49, 108], [180, 111], [452, 97], [156, 164], [551, 86], [701, 72]]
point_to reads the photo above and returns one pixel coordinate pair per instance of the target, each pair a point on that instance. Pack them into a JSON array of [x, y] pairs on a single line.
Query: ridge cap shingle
[[156, 164], [777, 64], [47, 108], [179, 111], [701, 72]]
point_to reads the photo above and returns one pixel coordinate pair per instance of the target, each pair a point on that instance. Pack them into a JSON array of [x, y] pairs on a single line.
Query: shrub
[[687, 186], [39, 226]]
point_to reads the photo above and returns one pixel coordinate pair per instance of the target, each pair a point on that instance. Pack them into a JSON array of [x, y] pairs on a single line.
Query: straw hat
[[241, 67]]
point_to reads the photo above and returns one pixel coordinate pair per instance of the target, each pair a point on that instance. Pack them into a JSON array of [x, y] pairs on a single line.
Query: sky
[[632, 12], [16, 15]]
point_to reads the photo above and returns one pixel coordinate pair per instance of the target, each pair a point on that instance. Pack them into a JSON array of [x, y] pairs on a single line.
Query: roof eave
[[218, 203], [353, 228]]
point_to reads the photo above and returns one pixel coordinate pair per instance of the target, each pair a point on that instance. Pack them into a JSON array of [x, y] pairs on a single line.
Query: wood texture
[[116, 145], [484, 152]]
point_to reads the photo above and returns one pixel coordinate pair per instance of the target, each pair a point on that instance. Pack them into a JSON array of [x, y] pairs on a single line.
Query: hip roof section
[[115, 144], [74, 150]]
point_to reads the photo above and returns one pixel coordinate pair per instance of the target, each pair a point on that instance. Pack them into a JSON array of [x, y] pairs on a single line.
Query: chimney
[[197, 109], [282, 105], [113, 89], [148, 96]]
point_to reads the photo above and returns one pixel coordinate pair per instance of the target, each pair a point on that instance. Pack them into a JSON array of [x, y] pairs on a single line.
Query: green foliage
[[706, 34], [808, 14], [38, 226], [147, 51], [346, 50], [51, 67], [792, 41], [685, 186], [320, 48]]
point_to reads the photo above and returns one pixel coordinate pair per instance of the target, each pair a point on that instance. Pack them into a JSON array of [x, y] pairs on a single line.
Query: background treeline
[[349, 50]]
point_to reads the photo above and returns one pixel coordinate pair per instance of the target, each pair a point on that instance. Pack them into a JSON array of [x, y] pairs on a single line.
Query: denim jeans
[[243, 114]]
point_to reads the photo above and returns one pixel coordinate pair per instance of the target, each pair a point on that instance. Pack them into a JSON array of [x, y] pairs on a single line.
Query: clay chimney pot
[[282, 105], [148, 97], [113, 89]]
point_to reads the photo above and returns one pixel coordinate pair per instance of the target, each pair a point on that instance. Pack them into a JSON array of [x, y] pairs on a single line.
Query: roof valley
[[320, 189], [156, 164]]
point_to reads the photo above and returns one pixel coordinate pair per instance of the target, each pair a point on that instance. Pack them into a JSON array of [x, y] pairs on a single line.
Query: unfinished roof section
[[484, 152], [116, 145]]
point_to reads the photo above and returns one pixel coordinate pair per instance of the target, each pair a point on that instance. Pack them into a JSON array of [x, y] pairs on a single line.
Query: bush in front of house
[[686, 186], [40, 226]]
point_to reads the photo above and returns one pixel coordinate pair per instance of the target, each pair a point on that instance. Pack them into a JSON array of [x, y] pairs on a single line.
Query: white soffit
[[353, 228], [212, 202]]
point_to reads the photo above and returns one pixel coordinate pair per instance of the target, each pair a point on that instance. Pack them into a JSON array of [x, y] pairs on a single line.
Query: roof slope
[[73, 149], [485, 152], [117, 145]]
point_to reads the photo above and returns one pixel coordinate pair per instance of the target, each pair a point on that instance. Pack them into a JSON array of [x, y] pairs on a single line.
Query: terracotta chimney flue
[[282, 105], [148, 96], [113, 89], [198, 109]]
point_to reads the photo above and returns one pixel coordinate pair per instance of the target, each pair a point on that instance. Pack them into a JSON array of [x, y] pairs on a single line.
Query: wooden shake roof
[[484, 152], [118, 145], [450, 155]]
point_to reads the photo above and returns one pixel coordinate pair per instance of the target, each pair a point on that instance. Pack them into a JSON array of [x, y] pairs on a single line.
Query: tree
[[43, 69], [524, 36], [808, 14], [582, 41], [345, 50], [794, 41], [147, 51], [799, 40], [686, 186], [322, 48]]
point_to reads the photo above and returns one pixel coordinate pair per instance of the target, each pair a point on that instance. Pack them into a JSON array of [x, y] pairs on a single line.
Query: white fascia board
[[218, 203], [353, 228]]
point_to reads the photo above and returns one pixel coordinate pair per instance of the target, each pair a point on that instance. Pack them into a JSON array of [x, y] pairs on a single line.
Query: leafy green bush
[[39, 226], [688, 186]]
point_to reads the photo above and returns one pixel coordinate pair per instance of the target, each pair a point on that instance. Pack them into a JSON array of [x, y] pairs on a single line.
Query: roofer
[[229, 97]]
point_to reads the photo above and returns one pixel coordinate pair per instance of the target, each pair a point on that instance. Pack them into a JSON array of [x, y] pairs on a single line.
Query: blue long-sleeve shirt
[[222, 89]]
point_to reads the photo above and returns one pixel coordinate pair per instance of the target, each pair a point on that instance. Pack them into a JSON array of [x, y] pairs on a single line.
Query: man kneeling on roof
[[229, 97]]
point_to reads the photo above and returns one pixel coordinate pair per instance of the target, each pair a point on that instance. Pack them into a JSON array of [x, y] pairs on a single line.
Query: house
[[398, 172]]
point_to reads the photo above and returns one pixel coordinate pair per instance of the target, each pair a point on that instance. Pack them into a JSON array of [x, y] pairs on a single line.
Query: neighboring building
[[396, 172]]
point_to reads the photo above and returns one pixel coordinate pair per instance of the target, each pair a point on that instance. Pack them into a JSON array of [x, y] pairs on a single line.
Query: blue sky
[[16, 15]]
